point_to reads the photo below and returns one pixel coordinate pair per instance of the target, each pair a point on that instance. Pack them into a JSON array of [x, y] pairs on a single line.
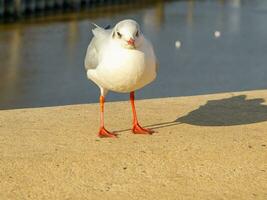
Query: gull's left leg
[[137, 129]]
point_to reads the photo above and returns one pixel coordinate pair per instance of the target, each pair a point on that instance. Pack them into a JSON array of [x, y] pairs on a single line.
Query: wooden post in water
[[68, 3], [76, 4], [2, 4], [40, 5], [17, 8], [73, 4], [9, 8], [30, 6], [59, 4], [88, 3], [49, 4], [20, 7]]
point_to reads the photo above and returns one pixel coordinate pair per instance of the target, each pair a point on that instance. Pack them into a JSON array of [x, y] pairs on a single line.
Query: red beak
[[131, 42]]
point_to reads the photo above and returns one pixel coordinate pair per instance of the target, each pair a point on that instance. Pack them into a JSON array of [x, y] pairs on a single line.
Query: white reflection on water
[[154, 18], [10, 70]]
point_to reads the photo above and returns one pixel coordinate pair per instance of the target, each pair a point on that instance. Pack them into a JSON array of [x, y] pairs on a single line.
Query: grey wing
[[92, 55], [91, 59]]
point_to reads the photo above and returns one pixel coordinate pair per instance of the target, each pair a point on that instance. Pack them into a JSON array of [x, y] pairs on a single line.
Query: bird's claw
[[104, 133], [137, 129]]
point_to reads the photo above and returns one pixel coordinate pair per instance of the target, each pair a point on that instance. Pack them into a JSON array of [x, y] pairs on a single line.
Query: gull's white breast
[[124, 70]]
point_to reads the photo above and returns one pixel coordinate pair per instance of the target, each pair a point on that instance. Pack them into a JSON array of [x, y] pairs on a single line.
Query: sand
[[206, 147]]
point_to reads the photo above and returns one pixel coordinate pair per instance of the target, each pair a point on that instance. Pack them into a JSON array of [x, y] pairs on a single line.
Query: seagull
[[120, 59]]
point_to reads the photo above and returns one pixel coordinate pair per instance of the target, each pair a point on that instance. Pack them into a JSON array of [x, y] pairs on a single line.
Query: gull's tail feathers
[[98, 30]]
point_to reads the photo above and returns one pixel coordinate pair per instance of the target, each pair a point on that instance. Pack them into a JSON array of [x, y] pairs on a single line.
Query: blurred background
[[205, 46]]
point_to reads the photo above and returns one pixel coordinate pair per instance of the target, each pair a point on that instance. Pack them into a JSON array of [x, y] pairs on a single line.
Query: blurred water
[[42, 63]]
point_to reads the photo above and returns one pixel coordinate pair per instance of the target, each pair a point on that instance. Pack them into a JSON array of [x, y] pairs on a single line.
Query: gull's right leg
[[102, 131]]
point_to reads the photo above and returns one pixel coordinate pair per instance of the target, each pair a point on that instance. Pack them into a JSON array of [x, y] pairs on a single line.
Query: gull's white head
[[127, 33]]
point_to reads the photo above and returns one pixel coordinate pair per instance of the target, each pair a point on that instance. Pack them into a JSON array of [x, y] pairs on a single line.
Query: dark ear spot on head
[[119, 35]]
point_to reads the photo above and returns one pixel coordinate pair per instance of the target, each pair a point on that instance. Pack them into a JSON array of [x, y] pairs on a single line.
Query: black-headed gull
[[120, 59]]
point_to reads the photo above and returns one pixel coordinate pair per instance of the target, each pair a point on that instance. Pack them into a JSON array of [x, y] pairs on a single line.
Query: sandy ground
[[206, 147]]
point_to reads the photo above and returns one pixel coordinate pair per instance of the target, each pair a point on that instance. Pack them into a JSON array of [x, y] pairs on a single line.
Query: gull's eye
[[118, 33], [137, 34]]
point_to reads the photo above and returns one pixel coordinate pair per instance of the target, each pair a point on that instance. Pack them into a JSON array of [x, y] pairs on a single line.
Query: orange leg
[[103, 132], [137, 129]]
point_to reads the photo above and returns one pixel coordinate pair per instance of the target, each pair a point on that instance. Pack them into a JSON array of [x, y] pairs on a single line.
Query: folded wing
[[101, 36]]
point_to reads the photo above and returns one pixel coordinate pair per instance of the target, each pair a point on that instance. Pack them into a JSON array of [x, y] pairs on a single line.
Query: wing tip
[[96, 26]]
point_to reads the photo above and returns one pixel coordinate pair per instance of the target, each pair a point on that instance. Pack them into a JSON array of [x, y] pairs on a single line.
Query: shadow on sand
[[236, 110]]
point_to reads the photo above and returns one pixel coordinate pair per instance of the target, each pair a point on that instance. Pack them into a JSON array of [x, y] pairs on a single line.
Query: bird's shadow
[[236, 110]]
